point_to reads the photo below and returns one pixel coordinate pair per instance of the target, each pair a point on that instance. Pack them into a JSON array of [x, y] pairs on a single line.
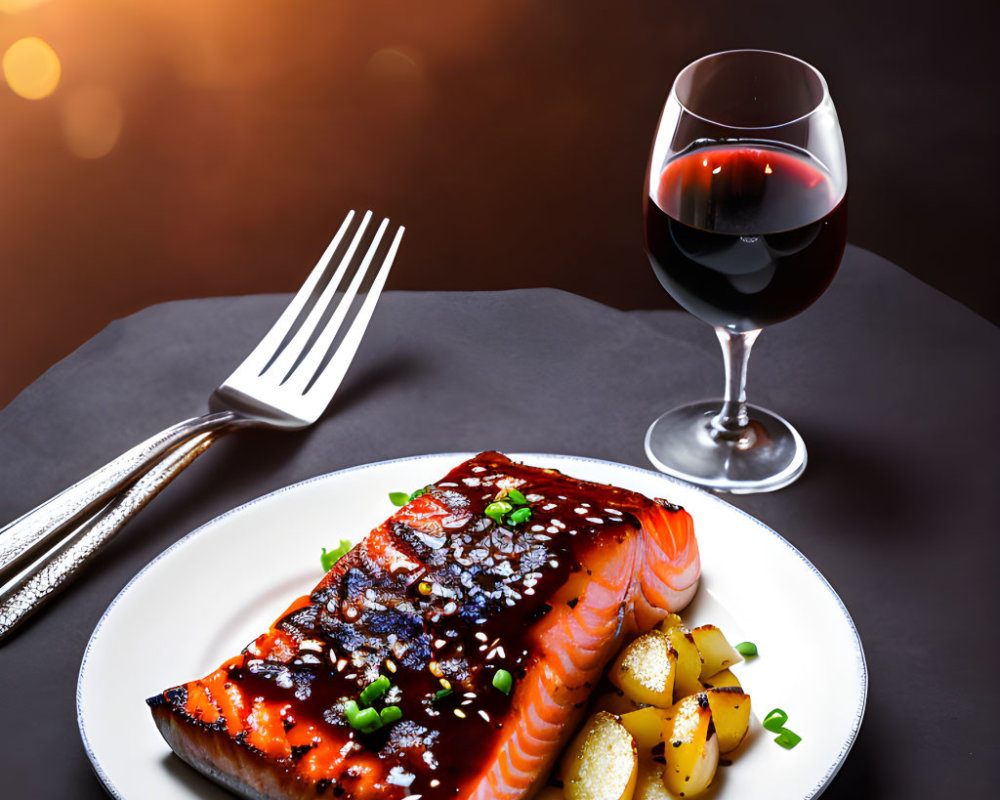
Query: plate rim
[[860, 660]]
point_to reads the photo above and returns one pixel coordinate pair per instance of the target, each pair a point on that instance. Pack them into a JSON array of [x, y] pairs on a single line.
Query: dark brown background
[[510, 136]]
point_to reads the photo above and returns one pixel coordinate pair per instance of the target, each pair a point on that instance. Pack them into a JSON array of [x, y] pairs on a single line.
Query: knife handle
[[38, 585], [26, 537]]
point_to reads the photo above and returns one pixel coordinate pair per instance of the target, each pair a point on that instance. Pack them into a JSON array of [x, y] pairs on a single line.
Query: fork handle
[[25, 537], [46, 577]]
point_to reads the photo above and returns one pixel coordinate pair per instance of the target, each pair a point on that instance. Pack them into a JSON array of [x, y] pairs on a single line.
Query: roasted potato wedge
[[645, 670], [601, 763], [688, 661], [716, 653], [730, 708], [646, 726], [719, 679], [671, 621], [691, 747], [616, 702], [649, 784]]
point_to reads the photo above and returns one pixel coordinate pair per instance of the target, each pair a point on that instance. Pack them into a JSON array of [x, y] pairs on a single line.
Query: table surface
[[891, 383]]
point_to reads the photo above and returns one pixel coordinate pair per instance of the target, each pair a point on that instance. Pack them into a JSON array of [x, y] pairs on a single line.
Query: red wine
[[745, 236]]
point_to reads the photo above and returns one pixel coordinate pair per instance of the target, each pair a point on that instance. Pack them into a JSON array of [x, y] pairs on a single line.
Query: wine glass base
[[771, 457]]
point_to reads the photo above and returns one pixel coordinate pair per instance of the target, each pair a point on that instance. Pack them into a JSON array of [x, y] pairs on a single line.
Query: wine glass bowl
[[745, 218]]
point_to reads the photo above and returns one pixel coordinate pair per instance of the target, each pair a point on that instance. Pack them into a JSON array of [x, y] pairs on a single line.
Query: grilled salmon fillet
[[450, 653]]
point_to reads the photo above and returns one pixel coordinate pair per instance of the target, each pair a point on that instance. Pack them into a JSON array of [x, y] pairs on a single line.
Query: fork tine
[[305, 372], [267, 348], [282, 366], [329, 379]]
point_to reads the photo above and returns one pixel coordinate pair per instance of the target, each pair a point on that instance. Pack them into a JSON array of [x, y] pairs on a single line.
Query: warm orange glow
[[392, 64], [13, 6], [31, 68], [92, 121], [397, 81], [767, 169]]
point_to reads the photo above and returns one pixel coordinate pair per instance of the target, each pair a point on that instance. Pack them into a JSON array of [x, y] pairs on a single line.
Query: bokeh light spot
[[390, 63], [31, 68], [92, 121], [397, 81]]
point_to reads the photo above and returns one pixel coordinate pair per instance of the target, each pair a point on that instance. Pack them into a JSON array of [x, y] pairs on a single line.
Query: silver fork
[[286, 382]]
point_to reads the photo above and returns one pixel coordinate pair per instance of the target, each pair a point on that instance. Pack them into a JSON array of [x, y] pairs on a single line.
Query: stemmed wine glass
[[745, 217]]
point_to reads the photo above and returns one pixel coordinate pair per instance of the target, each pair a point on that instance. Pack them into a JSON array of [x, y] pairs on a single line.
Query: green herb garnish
[[442, 693], [328, 559], [365, 720], [775, 721], [746, 649], [402, 498], [503, 681], [516, 497], [787, 739], [519, 516], [368, 719], [374, 690], [497, 509]]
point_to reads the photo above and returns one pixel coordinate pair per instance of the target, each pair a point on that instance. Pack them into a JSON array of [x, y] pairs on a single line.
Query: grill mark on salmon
[[440, 597]]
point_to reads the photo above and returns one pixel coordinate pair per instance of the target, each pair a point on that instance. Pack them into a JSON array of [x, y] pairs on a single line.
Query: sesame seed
[[459, 713]]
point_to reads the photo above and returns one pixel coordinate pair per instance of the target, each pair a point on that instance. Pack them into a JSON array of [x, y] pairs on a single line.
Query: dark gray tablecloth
[[892, 384]]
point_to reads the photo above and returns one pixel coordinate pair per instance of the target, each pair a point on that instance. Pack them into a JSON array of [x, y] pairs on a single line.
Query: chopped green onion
[[419, 492], [516, 497], [368, 720], [503, 681], [746, 649], [497, 509], [519, 516], [775, 721], [787, 739], [399, 498], [328, 559], [365, 720], [374, 690], [442, 693]]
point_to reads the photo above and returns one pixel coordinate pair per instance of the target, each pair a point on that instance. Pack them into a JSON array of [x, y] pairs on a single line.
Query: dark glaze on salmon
[[438, 599]]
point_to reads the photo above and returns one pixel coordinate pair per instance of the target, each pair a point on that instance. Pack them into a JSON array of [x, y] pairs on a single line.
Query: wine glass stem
[[732, 423]]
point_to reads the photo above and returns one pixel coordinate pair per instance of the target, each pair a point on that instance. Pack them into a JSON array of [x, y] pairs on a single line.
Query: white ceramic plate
[[210, 594]]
